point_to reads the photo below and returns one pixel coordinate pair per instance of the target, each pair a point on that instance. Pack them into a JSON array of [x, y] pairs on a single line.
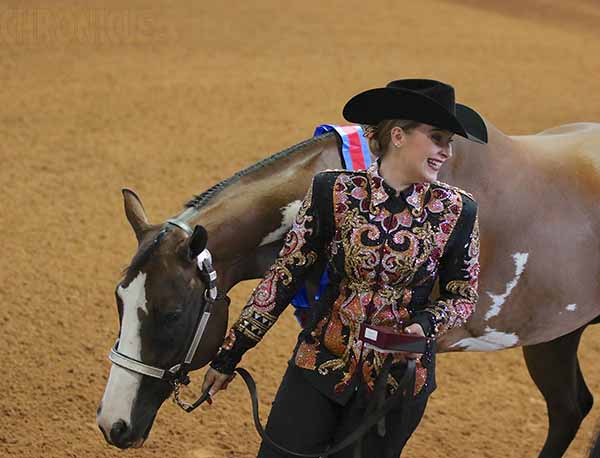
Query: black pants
[[302, 419]]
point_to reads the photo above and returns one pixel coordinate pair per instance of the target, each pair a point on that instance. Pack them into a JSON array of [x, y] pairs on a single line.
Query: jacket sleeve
[[302, 246], [458, 276]]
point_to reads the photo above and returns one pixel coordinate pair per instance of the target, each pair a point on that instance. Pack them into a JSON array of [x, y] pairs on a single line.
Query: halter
[[177, 375]]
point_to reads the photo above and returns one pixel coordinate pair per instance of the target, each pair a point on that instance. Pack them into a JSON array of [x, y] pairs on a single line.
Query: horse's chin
[[139, 443]]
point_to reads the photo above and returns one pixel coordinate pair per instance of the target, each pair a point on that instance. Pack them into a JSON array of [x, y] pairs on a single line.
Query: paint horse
[[539, 286]]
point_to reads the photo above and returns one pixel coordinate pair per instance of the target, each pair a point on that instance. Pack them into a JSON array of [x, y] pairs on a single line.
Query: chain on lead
[[177, 396]]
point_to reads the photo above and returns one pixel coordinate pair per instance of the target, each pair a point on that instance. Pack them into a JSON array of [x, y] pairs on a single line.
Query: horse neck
[[245, 212]]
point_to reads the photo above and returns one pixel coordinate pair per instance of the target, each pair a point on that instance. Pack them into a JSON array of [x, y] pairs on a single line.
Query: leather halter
[[177, 375]]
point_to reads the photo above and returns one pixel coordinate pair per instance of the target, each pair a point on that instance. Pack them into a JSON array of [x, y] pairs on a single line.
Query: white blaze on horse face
[[520, 260], [122, 386], [288, 213], [492, 340], [571, 307]]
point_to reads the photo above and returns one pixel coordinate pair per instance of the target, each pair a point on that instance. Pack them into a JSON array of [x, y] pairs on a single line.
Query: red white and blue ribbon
[[355, 147]]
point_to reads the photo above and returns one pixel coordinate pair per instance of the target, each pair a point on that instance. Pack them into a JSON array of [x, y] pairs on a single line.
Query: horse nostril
[[118, 433]]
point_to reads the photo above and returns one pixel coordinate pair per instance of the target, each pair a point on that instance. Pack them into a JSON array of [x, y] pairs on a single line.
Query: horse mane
[[201, 200]]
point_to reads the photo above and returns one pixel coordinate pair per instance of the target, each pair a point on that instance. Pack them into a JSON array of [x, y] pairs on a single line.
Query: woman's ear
[[398, 136]]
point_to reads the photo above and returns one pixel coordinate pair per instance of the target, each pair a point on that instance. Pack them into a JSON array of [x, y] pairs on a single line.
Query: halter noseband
[[177, 374]]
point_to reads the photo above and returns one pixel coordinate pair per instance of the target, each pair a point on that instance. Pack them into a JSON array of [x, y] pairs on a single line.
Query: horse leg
[[554, 368]]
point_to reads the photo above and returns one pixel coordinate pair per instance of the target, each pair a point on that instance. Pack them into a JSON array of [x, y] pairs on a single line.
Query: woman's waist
[[406, 295]]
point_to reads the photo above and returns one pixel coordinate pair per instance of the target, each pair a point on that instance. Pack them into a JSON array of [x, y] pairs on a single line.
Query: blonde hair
[[379, 135]]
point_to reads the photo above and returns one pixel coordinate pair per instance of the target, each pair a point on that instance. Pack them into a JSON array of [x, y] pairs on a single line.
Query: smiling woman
[[417, 154], [386, 234]]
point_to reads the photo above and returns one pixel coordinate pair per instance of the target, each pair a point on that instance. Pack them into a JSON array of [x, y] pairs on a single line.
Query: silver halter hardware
[[177, 374]]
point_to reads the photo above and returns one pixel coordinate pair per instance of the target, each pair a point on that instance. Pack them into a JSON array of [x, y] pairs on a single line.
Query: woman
[[387, 234]]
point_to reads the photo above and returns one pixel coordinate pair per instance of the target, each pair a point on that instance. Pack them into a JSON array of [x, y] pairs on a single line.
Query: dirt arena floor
[[168, 100]]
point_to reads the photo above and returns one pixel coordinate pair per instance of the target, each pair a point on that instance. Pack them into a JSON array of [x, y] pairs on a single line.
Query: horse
[[537, 196]]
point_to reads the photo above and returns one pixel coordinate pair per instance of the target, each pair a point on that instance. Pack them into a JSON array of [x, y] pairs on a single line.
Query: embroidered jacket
[[384, 252]]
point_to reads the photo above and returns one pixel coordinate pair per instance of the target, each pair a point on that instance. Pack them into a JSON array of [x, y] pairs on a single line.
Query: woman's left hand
[[416, 329]]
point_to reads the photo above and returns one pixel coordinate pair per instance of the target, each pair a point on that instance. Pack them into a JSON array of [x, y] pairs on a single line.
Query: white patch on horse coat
[[122, 386], [520, 260], [571, 307], [288, 213], [492, 340]]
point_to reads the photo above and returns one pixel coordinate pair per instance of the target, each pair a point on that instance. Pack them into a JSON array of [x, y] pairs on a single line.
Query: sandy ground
[[170, 99]]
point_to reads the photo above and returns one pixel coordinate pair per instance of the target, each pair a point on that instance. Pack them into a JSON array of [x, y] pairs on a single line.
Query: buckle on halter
[[176, 375]]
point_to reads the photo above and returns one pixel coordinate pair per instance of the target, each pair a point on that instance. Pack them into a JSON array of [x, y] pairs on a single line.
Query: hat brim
[[375, 105], [473, 123]]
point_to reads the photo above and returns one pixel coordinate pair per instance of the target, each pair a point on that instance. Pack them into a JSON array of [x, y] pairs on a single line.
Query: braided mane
[[201, 200]]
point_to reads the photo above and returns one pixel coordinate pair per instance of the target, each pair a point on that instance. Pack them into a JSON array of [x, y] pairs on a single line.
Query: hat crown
[[442, 93]]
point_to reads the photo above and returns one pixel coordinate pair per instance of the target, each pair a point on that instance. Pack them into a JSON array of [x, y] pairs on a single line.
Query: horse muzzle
[[122, 436]]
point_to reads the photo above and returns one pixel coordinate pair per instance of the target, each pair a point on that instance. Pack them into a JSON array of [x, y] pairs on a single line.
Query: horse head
[[162, 302]]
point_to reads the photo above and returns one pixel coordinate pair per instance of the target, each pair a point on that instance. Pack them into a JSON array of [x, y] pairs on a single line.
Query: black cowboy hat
[[427, 101]]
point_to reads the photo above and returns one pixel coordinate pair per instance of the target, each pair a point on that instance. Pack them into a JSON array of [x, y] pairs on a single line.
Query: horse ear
[[134, 210], [197, 242]]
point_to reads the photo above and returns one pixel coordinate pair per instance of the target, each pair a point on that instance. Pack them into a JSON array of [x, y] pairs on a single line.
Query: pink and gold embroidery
[[291, 254], [385, 249]]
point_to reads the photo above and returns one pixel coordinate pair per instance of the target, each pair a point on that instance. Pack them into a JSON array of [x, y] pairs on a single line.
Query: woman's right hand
[[216, 381]]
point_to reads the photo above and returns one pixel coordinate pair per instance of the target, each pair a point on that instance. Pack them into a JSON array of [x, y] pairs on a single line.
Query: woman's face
[[422, 151]]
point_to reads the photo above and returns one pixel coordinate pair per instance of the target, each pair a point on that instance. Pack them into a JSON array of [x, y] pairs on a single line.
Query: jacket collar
[[414, 195]]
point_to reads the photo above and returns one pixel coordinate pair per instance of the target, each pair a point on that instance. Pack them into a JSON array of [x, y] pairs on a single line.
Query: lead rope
[[405, 390]]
